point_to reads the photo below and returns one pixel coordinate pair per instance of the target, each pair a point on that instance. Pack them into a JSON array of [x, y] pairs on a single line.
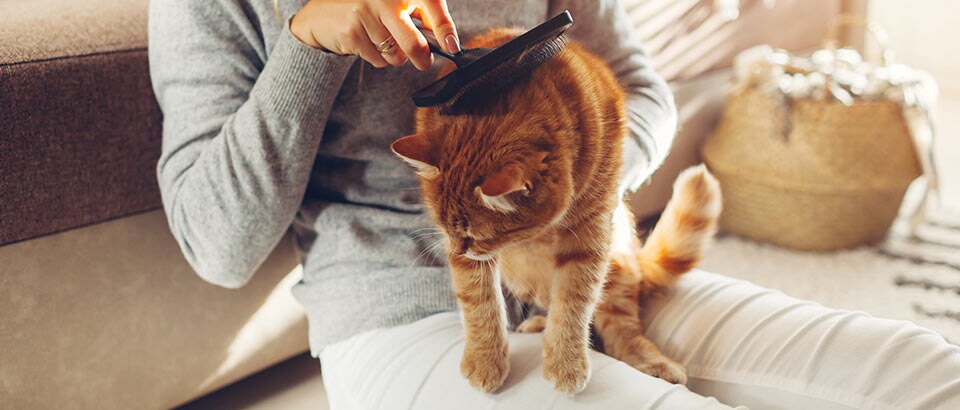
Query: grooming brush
[[483, 72]]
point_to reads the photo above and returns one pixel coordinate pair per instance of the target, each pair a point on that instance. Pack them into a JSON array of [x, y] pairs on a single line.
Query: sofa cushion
[[110, 316], [40, 30], [79, 125]]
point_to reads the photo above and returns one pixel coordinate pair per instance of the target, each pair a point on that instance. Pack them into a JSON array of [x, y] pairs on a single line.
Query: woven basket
[[834, 178]]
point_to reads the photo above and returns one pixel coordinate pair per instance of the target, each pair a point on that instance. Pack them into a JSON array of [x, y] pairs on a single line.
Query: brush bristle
[[499, 78]]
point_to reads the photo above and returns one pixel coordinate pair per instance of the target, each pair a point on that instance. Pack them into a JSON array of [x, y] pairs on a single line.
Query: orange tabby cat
[[526, 195]]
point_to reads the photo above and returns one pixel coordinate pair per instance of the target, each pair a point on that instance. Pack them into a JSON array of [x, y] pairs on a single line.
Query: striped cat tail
[[686, 226]]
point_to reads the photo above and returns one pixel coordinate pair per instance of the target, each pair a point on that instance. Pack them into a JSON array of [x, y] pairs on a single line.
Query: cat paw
[[568, 373], [664, 368], [533, 324], [485, 369]]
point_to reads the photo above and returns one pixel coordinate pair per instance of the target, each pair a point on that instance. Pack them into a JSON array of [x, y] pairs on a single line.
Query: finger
[[441, 24], [368, 51], [378, 33], [409, 38], [416, 13]]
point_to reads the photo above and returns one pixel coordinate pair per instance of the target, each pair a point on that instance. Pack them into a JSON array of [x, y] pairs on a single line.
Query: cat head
[[487, 184], [498, 175]]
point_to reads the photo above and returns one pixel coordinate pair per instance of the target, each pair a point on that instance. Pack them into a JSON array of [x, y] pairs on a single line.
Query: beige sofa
[[98, 309]]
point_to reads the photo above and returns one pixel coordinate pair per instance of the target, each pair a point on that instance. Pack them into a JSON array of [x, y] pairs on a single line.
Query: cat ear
[[539, 160], [505, 180], [417, 151], [508, 179], [497, 185]]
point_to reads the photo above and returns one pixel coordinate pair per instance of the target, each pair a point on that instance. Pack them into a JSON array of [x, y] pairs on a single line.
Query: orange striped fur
[[525, 191], [673, 248]]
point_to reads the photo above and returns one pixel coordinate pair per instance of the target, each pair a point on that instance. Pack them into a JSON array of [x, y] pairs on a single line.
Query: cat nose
[[462, 245]]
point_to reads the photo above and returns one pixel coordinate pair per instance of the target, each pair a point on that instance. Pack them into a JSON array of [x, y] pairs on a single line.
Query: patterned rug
[[915, 279]]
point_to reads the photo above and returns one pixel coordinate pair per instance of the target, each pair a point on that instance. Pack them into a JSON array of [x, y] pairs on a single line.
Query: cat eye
[[462, 245]]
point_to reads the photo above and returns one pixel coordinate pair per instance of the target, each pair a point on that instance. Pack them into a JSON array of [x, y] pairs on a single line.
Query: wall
[[924, 34]]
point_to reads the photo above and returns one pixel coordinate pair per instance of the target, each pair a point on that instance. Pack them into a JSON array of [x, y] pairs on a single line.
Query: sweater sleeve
[[240, 132], [603, 28]]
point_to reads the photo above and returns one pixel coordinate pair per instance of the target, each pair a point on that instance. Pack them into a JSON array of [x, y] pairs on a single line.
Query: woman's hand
[[379, 31]]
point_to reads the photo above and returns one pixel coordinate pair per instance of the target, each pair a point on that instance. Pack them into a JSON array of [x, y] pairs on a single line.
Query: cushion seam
[[72, 56], [30, 237]]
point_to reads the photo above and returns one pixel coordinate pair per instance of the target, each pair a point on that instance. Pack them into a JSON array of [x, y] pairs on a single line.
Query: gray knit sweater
[[262, 134]]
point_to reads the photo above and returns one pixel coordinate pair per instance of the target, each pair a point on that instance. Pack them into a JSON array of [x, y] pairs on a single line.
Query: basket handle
[[831, 40]]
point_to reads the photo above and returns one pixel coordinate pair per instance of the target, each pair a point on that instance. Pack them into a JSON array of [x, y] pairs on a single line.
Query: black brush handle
[[460, 59], [435, 49], [500, 65]]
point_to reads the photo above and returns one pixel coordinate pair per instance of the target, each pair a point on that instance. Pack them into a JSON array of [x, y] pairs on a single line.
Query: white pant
[[745, 345]]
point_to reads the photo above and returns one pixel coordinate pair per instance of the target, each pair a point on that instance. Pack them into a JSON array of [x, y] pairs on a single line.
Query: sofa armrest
[[79, 125]]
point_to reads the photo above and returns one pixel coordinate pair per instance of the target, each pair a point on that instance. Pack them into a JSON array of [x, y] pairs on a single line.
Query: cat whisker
[[432, 247], [519, 278], [428, 228], [418, 237], [436, 245], [562, 225], [423, 232]]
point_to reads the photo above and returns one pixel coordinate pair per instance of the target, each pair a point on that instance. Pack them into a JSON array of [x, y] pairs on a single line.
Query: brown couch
[[98, 309]]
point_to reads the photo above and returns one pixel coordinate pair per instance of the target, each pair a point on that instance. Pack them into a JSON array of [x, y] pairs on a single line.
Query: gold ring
[[387, 46]]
